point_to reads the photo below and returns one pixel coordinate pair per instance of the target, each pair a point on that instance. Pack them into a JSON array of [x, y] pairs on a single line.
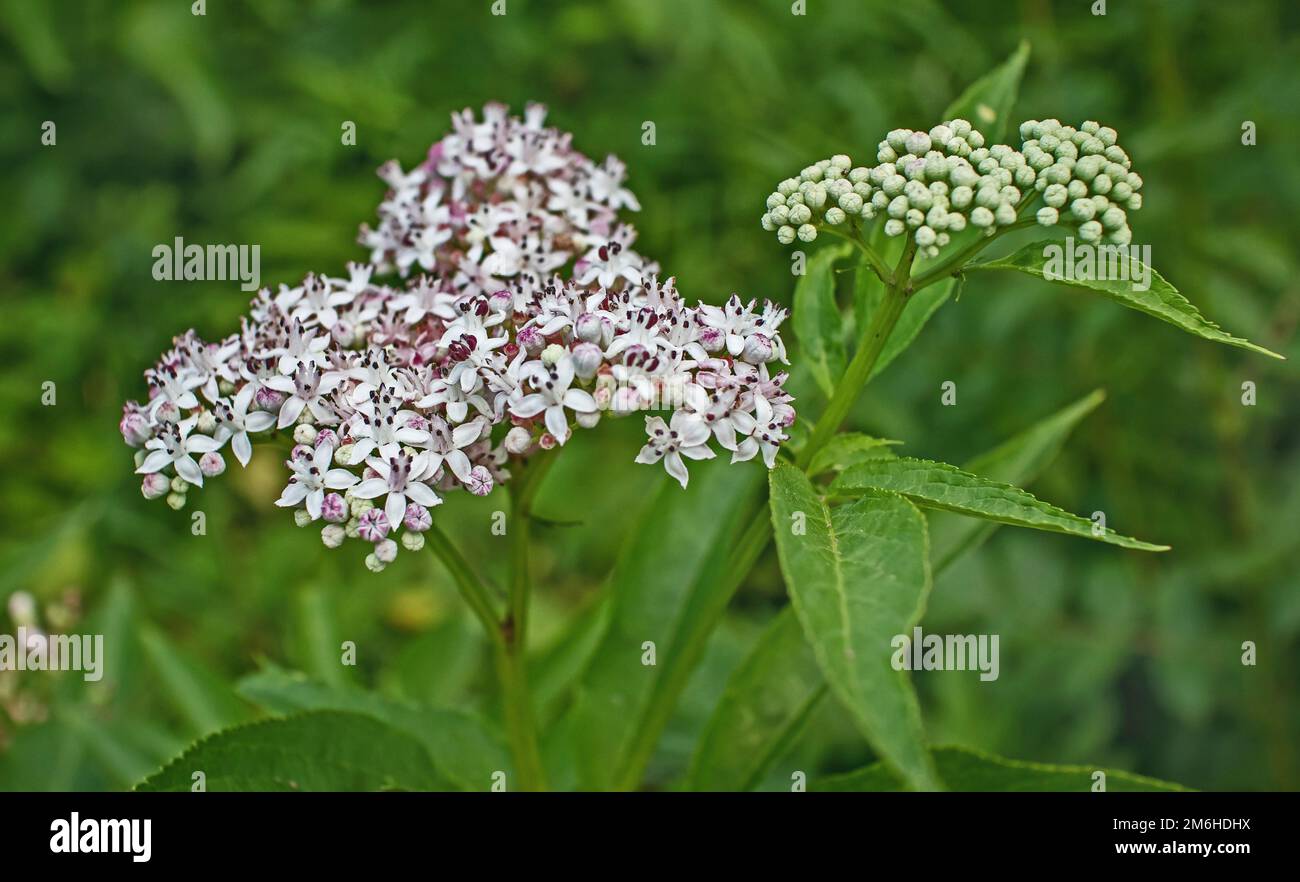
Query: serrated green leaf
[[987, 103], [317, 751], [1017, 461], [463, 748], [858, 577], [850, 448], [1160, 300], [939, 485], [767, 700], [974, 771], [816, 318]]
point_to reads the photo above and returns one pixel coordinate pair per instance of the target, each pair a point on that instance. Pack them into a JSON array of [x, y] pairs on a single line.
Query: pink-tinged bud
[[344, 333], [758, 349], [500, 301], [626, 399], [134, 428], [168, 412], [268, 399], [332, 535], [373, 525], [587, 359], [518, 440], [587, 420], [327, 436], [589, 328], [531, 339], [480, 481], [547, 441], [712, 339], [155, 486], [334, 508], [211, 464], [302, 451], [417, 518], [386, 551]]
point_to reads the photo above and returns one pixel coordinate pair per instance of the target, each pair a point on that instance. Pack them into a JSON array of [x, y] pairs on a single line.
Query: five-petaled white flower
[[686, 435], [234, 422], [312, 476], [553, 395], [172, 446], [399, 479]]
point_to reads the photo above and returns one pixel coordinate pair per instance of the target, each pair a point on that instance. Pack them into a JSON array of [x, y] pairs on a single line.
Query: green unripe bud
[[1055, 196], [1083, 209], [800, 214], [774, 200], [841, 161], [1101, 184], [894, 227], [834, 215], [981, 217], [925, 237], [176, 501], [1047, 216], [785, 234], [807, 233], [1090, 232], [914, 218], [1005, 214], [1113, 218], [788, 186], [859, 174], [850, 202], [781, 215]]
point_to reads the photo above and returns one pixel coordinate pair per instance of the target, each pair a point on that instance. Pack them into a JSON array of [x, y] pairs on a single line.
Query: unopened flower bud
[[334, 509], [332, 535], [154, 486], [179, 485], [343, 456], [373, 525], [758, 349], [211, 464], [480, 481], [587, 359], [386, 551], [518, 440], [374, 564], [301, 517], [206, 424], [412, 541], [176, 501], [305, 434]]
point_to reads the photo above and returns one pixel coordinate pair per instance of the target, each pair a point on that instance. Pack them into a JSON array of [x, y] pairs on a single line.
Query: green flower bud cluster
[[1085, 178], [935, 184], [932, 184]]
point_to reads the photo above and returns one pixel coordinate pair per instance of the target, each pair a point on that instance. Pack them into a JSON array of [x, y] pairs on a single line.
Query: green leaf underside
[[317, 751], [816, 318], [1018, 461], [464, 749], [939, 485], [857, 577], [974, 771], [667, 563], [1160, 300], [762, 711], [849, 448], [987, 103]]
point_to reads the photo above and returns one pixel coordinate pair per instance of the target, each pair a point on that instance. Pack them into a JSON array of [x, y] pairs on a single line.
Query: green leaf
[[660, 593], [942, 486], [462, 747], [973, 771], [817, 321], [849, 448], [766, 703], [987, 103], [1019, 460], [199, 694], [1161, 299], [858, 577], [318, 751]]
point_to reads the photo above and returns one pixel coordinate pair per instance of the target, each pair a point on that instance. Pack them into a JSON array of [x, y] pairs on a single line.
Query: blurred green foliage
[[226, 128]]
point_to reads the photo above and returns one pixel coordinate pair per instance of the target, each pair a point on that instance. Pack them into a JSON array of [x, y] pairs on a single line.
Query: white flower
[[306, 389], [553, 396], [397, 479], [687, 436], [446, 444], [312, 476], [172, 446], [235, 422]]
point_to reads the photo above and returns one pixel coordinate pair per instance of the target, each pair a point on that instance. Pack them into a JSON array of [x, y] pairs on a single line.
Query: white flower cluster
[[533, 314], [934, 184]]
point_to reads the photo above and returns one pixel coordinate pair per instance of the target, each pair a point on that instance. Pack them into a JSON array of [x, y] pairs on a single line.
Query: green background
[[226, 128]]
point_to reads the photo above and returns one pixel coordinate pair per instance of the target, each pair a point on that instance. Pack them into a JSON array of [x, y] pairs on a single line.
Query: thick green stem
[[517, 700], [507, 633], [759, 532]]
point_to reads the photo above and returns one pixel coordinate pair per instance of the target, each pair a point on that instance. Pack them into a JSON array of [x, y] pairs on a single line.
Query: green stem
[[471, 588], [754, 540], [517, 700], [508, 633]]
